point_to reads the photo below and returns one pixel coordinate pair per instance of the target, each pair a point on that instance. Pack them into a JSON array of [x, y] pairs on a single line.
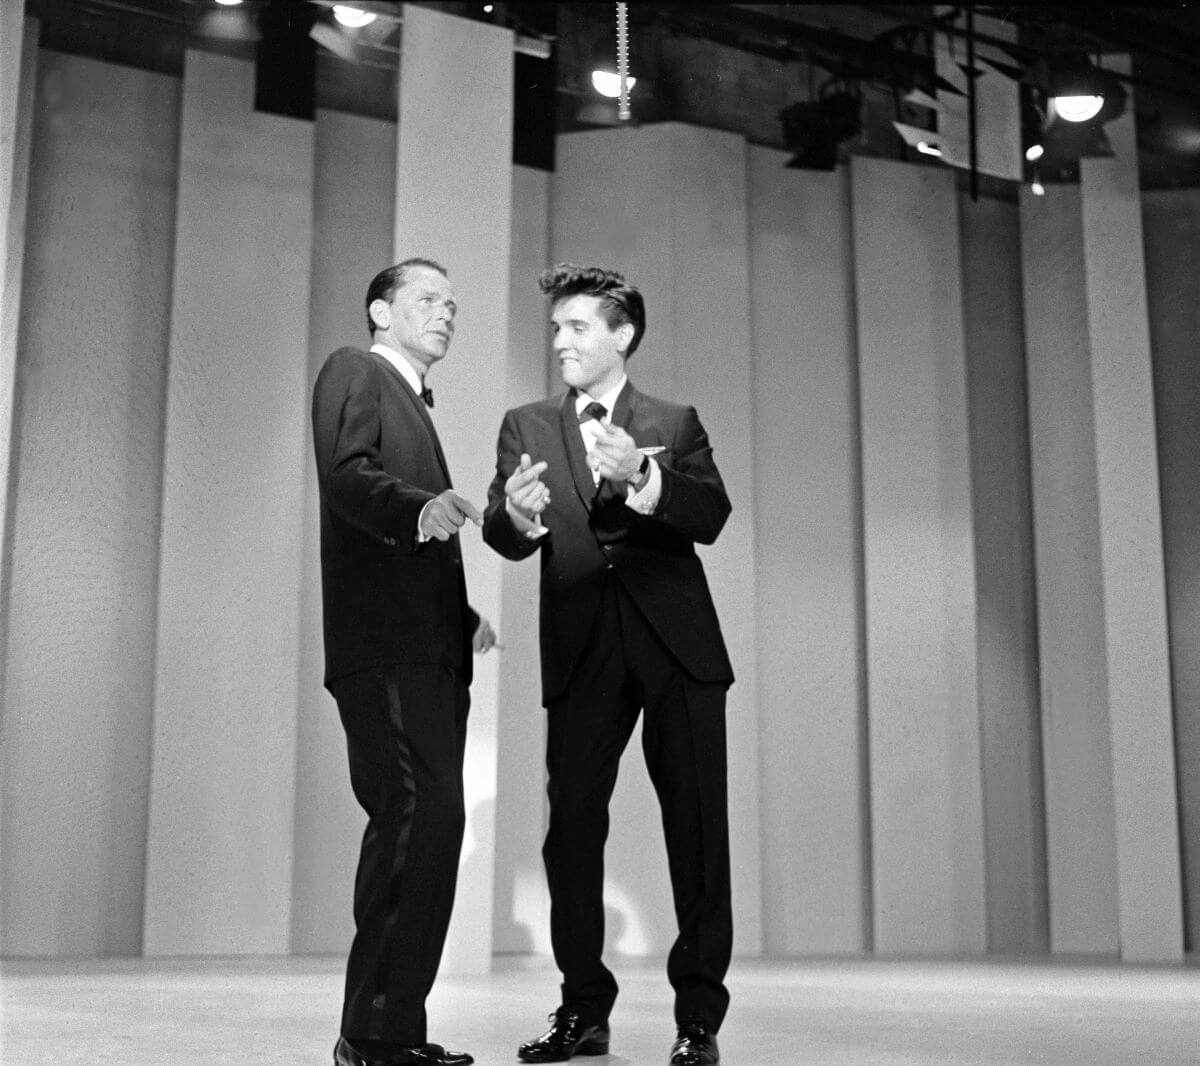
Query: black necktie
[[593, 410], [427, 396]]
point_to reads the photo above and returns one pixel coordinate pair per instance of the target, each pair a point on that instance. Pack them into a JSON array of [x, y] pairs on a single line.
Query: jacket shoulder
[[346, 368], [664, 408], [347, 358]]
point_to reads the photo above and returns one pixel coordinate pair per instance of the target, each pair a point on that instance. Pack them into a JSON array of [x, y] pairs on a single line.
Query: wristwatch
[[638, 482]]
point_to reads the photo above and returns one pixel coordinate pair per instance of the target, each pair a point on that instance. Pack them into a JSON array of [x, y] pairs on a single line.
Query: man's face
[[590, 354], [419, 318]]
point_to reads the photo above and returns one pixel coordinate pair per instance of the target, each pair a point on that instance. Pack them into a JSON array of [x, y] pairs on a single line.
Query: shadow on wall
[[625, 930]]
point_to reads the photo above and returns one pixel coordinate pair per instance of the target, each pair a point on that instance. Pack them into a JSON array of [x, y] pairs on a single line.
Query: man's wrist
[[531, 527], [638, 481], [422, 536]]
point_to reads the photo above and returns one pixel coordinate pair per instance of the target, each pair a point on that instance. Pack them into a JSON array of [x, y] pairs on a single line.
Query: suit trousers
[[624, 671], [406, 734]]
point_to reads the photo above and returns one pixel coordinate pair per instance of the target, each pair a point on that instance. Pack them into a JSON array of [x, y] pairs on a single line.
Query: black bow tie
[[427, 396], [593, 410]]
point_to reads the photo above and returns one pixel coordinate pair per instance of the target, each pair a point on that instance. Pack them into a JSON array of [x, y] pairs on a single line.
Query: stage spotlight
[[607, 83], [353, 18], [1079, 91], [1037, 188], [1035, 152], [229, 3], [813, 129], [1076, 108]]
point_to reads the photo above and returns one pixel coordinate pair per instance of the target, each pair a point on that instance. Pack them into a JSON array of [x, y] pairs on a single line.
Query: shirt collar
[[608, 399], [406, 369]]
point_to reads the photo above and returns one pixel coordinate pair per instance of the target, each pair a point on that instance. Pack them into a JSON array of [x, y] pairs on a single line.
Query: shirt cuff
[[646, 499], [533, 530], [421, 537]]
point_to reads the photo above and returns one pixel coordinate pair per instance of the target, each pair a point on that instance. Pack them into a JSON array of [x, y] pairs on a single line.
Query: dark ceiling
[[728, 66]]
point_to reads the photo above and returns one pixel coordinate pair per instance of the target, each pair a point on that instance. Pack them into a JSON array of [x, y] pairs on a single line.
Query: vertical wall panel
[[808, 523], [709, 197], [926, 816], [353, 207], [12, 52], [1172, 227], [522, 902], [80, 654], [454, 203], [1010, 728], [626, 226], [676, 226], [1135, 612], [1080, 847], [219, 870], [18, 65]]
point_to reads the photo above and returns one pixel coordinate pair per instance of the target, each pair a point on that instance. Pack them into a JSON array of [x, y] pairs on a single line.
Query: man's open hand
[[525, 491], [615, 456]]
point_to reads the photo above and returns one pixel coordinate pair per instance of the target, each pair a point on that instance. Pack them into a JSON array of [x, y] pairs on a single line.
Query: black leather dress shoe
[[425, 1055], [568, 1035], [695, 1046]]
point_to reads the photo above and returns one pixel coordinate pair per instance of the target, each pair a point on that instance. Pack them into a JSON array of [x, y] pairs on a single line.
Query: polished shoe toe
[[344, 1054], [694, 1045], [568, 1035]]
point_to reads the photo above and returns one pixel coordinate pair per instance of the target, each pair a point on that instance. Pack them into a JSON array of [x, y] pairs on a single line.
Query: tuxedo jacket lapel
[[623, 409], [581, 473], [420, 411], [622, 415]]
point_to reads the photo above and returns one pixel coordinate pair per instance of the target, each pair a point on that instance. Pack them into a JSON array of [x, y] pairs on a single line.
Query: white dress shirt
[[406, 369]]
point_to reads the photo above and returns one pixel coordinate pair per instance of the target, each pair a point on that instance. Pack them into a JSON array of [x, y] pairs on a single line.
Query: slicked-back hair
[[384, 284], [620, 302]]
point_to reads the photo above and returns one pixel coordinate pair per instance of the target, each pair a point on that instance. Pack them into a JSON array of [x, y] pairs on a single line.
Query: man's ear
[[624, 337], [381, 314]]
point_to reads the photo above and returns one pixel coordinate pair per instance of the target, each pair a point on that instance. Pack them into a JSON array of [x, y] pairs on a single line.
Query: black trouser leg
[[683, 739], [587, 730], [406, 730]]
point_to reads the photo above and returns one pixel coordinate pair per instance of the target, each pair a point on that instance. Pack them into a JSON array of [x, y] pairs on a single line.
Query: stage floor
[[283, 1012]]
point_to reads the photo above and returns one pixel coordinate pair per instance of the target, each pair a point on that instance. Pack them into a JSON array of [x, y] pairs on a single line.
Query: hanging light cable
[[623, 111]]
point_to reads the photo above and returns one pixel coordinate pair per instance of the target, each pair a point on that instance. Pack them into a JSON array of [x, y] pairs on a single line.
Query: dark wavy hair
[[620, 302], [384, 284]]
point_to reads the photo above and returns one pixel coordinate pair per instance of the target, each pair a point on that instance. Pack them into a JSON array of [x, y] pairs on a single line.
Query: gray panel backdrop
[[179, 251]]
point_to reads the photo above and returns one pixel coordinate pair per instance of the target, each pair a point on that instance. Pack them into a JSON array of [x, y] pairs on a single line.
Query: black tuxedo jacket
[[592, 532], [387, 599]]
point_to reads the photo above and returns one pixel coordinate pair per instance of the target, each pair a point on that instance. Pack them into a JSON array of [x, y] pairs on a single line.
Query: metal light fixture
[[353, 18], [813, 129], [608, 83], [1080, 91]]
